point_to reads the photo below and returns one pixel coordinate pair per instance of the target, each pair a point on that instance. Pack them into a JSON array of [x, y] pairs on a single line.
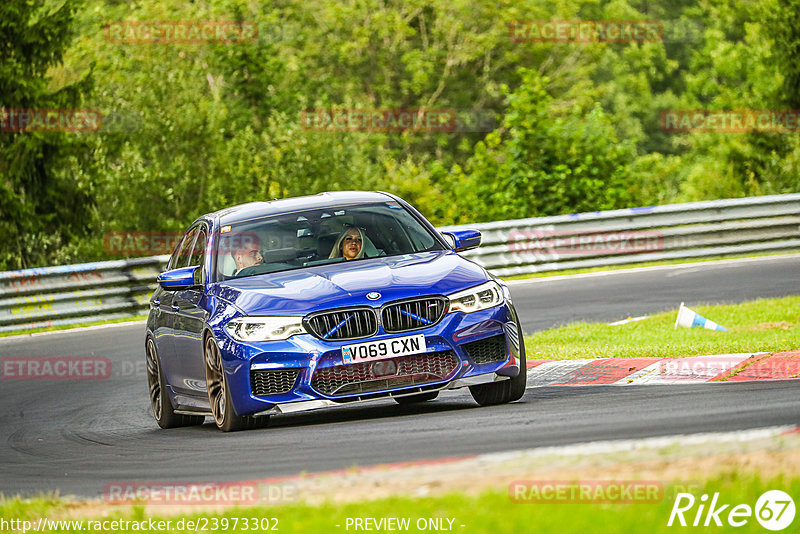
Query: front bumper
[[304, 406], [311, 364]]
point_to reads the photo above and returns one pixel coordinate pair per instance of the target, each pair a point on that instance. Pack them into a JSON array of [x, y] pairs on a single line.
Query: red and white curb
[[647, 371]]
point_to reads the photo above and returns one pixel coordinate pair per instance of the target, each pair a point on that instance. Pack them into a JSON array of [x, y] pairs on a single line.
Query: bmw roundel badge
[[373, 295]]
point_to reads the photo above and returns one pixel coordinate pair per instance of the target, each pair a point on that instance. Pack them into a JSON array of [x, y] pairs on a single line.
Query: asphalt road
[[77, 436]]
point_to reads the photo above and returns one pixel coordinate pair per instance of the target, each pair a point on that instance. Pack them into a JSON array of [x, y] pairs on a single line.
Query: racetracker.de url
[[196, 524]]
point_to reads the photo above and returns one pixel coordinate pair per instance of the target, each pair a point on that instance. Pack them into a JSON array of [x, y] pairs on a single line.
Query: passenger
[[349, 244], [247, 256]]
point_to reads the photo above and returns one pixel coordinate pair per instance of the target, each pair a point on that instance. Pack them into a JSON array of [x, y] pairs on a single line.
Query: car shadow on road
[[384, 409]]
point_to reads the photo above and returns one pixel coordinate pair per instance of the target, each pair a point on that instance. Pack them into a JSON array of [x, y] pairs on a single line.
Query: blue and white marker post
[[689, 319]]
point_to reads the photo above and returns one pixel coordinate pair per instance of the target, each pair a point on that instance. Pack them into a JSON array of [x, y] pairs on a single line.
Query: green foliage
[[783, 20], [190, 128], [43, 207], [547, 160], [742, 64]]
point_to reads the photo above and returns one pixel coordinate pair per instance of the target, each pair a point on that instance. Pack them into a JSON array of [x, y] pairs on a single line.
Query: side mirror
[[183, 278], [461, 240]]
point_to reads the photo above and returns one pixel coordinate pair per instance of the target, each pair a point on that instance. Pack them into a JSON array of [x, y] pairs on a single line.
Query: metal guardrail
[[50, 296], [605, 238]]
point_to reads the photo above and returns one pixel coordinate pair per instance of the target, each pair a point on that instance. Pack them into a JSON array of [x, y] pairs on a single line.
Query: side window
[[173, 259], [196, 257], [182, 259]]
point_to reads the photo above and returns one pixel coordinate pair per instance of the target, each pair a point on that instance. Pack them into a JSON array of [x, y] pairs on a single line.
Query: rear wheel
[[413, 399], [159, 398], [507, 390], [219, 394]]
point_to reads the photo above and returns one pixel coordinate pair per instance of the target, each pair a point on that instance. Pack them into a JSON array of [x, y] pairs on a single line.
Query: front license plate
[[383, 349]]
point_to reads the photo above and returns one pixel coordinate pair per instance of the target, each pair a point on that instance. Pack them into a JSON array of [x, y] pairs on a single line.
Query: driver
[[247, 256]]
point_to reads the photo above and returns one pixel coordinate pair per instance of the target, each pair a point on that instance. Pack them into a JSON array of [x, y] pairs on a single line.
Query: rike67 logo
[[774, 510]]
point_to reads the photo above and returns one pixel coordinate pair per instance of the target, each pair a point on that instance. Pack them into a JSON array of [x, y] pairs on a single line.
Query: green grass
[[678, 261], [490, 512], [764, 325], [74, 325]]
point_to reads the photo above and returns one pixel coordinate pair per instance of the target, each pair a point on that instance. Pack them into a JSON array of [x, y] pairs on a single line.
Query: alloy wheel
[[215, 381], [153, 378]]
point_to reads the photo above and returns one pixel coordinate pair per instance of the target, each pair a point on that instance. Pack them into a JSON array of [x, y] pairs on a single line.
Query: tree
[[546, 160], [42, 206], [748, 60]]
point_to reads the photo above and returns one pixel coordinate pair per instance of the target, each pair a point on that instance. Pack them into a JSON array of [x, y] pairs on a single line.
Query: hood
[[337, 285]]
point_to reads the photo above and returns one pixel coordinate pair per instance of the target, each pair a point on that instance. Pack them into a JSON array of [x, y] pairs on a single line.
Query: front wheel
[[163, 412], [219, 394], [508, 390]]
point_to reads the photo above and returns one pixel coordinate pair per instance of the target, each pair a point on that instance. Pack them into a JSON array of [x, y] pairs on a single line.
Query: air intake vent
[[350, 323], [406, 371], [489, 350], [413, 314], [264, 382]]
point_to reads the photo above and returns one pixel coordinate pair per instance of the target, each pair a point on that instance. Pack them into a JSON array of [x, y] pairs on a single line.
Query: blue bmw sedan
[[304, 303]]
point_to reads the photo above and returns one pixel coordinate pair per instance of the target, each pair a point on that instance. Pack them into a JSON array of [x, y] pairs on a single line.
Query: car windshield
[[319, 236]]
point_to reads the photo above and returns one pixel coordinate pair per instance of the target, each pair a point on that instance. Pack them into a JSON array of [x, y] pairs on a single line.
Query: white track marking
[[629, 320]]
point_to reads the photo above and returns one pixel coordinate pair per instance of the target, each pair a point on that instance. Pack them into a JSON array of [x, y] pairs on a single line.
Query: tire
[[508, 390], [219, 394], [414, 399], [159, 399]]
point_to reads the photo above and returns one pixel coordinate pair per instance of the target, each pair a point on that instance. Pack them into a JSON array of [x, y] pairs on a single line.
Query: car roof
[[333, 199]]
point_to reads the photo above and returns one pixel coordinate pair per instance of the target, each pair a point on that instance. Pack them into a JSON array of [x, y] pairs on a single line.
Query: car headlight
[[264, 328], [478, 298]]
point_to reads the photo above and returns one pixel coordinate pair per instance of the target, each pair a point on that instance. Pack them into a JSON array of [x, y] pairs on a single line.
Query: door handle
[[156, 303], [175, 307]]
